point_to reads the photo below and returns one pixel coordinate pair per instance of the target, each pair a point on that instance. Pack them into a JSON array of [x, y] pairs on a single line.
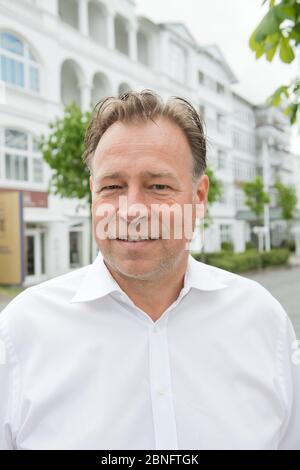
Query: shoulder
[[41, 302], [249, 299]]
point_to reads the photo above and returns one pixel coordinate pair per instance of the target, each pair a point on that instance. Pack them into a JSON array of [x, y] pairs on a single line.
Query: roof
[[214, 51]]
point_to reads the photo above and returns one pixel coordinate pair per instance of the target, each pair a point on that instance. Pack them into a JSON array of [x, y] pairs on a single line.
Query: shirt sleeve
[[290, 433], [8, 387]]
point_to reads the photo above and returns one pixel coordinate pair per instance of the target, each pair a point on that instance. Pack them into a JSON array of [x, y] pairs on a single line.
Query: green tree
[[279, 31], [287, 201], [256, 197], [62, 149], [214, 194]]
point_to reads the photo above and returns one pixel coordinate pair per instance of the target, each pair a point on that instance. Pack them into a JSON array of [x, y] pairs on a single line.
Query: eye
[[160, 186], [110, 188]]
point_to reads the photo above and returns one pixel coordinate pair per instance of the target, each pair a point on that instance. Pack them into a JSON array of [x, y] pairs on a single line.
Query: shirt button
[[161, 392]]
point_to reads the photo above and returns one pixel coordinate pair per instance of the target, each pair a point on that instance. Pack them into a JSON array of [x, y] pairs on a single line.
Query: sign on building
[[11, 237]]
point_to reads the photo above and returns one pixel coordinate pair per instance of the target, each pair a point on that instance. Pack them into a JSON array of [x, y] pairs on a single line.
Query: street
[[284, 285]]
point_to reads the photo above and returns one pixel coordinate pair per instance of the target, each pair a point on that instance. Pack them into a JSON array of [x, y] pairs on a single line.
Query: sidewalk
[[294, 260]]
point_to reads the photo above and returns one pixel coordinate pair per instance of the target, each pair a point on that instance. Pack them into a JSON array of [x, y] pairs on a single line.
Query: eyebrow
[[146, 174]]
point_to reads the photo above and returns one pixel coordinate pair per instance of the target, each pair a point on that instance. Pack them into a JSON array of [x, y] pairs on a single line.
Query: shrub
[[250, 245], [227, 246], [275, 257], [289, 244], [247, 261]]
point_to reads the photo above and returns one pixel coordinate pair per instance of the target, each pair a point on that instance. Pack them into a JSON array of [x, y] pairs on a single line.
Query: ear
[[202, 188], [91, 183]]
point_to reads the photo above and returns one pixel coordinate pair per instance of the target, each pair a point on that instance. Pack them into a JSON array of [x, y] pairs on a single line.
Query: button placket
[[161, 392]]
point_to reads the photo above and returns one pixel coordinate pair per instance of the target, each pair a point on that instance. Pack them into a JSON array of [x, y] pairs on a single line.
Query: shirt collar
[[99, 282]]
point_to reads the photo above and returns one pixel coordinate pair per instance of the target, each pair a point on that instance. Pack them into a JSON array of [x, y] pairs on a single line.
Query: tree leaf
[[286, 51], [271, 52], [269, 25], [284, 12]]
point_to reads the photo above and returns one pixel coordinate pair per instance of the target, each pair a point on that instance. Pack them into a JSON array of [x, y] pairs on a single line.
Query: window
[[244, 114], [33, 79], [12, 44], [244, 141], [16, 167], [143, 48], [177, 62], [244, 170], [220, 88], [200, 77], [202, 111], [17, 63], [226, 233], [224, 196], [75, 238], [38, 175], [221, 160], [16, 139], [239, 199], [22, 161], [221, 124]]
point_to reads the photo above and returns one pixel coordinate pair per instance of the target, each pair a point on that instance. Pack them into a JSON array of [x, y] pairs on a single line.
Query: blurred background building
[[53, 52]]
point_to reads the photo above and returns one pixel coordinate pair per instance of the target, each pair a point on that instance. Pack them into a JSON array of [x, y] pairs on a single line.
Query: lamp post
[[266, 179]]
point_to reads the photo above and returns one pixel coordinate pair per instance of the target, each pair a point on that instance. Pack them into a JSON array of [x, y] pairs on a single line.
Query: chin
[[137, 269]]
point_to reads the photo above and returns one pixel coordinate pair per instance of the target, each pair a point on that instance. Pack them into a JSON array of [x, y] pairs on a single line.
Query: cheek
[[104, 217]]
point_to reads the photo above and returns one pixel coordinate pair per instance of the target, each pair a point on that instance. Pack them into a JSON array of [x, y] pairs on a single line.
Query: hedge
[[247, 261]]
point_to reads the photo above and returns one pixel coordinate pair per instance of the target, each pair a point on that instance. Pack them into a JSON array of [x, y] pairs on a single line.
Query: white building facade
[[53, 52]]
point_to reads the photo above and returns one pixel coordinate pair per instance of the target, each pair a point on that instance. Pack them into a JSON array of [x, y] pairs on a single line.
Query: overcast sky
[[229, 24]]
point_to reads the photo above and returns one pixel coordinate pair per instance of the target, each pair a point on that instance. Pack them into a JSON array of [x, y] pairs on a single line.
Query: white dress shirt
[[82, 367]]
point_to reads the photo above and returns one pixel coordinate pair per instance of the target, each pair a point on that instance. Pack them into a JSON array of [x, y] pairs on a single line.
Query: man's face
[[149, 164]]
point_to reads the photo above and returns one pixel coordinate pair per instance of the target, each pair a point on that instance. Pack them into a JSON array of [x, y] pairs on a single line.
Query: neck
[[156, 295]]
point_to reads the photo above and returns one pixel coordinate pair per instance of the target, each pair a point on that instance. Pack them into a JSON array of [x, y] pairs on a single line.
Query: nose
[[134, 205]]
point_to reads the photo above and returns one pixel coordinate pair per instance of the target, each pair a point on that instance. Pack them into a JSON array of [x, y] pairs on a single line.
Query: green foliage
[[250, 245], [243, 262], [291, 94], [289, 244], [275, 257], [227, 246], [62, 149], [256, 197], [279, 31], [237, 262], [215, 186], [214, 193], [286, 200]]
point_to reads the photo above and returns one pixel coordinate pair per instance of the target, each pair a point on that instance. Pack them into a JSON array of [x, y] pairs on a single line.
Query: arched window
[[121, 34], [143, 48], [21, 156], [18, 65]]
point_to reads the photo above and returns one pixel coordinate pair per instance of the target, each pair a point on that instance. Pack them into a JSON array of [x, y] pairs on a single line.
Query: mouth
[[136, 242], [140, 239]]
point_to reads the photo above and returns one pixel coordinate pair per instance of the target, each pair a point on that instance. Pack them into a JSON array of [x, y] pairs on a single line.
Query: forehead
[[160, 141]]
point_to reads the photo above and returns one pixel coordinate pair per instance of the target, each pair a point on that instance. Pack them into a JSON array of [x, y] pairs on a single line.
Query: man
[[147, 348]]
